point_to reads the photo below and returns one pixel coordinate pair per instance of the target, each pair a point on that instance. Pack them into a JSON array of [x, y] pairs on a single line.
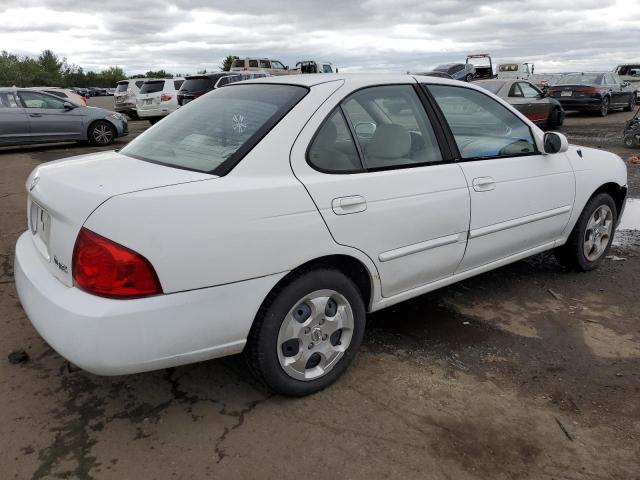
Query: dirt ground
[[528, 371]]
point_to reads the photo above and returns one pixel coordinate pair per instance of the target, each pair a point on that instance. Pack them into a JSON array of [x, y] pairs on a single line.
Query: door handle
[[483, 184], [346, 205], [35, 114]]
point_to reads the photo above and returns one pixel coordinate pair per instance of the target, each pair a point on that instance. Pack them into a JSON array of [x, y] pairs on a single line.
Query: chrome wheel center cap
[[316, 334]]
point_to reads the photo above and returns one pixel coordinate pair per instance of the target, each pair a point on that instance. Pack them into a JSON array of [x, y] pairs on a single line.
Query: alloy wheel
[[102, 134], [598, 233], [314, 335]]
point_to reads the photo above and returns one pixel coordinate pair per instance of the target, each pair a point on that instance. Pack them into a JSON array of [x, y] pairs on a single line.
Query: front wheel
[[592, 235], [101, 133], [468, 78], [307, 332], [604, 107]]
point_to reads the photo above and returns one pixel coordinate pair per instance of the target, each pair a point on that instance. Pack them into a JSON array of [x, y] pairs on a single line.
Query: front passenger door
[[48, 118], [521, 200]]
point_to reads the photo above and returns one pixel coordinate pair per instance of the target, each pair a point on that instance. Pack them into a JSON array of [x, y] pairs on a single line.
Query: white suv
[[124, 98], [274, 67], [158, 98]]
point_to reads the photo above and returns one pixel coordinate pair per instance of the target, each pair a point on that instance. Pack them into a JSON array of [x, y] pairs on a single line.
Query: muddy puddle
[[628, 233]]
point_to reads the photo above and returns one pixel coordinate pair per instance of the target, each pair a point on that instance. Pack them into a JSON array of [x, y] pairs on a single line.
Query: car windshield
[[493, 86], [214, 133], [152, 87], [122, 87], [197, 84], [443, 68], [581, 79]]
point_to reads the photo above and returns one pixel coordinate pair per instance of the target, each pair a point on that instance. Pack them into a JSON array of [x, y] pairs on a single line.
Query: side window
[[333, 149], [327, 68], [516, 91], [139, 83], [276, 64], [253, 63], [8, 100], [265, 64], [529, 91], [38, 100], [482, 127], [392, 127]]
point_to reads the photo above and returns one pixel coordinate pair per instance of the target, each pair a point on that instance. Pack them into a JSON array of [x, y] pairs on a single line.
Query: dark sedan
[[535, 105], [195, 86], [598, 92], [458, 71]]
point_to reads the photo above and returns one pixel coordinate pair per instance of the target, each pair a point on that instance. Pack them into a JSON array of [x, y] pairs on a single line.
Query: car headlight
[[116, 116]]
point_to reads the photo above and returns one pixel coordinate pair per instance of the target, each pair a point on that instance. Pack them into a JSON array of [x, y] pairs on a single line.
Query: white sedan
[[270, 216]]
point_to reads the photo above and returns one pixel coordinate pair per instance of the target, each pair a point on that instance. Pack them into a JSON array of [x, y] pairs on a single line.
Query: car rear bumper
[[113, 337], [579, 103], [153, 112]]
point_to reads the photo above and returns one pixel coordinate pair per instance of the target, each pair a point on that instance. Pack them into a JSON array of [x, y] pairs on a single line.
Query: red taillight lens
[[165, 97], [108, 269], [586, 90]]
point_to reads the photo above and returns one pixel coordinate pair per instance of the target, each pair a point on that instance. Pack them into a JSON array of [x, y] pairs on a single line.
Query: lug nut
[[325, 336], [310, 346], [307, 330], [321, 322]]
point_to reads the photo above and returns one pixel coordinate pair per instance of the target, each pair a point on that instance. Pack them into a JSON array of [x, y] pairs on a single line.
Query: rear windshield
[[581, 79], [237, 63], [214, 133], [493, 86], [152, 87], [197, 84], [122, 86]]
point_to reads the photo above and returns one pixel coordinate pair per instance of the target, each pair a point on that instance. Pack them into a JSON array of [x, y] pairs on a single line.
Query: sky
[[184, 36]]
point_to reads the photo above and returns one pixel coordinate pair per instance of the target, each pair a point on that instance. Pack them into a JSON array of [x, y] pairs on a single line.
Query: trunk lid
[[62, 195]]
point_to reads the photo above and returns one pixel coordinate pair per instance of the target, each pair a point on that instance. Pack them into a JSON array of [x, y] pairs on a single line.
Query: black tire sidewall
[[603, 112], [581, 226], [264, 344]]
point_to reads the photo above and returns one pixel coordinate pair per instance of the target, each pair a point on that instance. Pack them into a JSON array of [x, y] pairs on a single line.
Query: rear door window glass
[[482, 127], [152, 87], [253, 64]]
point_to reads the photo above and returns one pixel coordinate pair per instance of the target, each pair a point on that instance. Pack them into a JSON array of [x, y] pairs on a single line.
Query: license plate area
[[566, 93], [40, 226], [148, 101]]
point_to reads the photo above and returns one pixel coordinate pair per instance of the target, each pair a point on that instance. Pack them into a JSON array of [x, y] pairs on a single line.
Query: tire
[[555, 119], [604, 107], [573, 254], [292, 338], [468, 78], [153, 121], [101, 133], [632, 103], [133, 115], [630, 140]]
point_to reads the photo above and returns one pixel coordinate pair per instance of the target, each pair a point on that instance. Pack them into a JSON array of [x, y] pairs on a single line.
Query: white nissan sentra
[[270, 216]]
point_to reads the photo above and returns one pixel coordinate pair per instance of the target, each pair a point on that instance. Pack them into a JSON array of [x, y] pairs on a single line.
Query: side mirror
[[555, 142], [365, 129], [68, 106]]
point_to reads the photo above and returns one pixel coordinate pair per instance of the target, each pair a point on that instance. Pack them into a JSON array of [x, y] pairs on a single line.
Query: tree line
[[50, 70]]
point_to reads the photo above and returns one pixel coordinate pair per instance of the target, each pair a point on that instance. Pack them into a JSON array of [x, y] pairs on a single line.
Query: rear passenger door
[[521, 200], [14, 122], [381, 178]]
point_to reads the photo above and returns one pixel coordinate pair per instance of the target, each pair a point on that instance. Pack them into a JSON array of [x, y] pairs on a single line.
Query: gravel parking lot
[[528, 371]]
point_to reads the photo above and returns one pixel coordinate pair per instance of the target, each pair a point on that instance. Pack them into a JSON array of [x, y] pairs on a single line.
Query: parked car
[[458, 71], [483, 65], [631, 132], [435, 74], [545, 80], [515, 70], [195, 86], [31, 116], [594, 91], [66, 94], [273, 67], [158, 98], [124, 98], [255, 221], [537, 106], [313, 66], [629, 72]]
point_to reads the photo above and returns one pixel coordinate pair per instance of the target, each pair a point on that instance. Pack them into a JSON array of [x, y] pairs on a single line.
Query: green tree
[[158, 74], [226, 63], [51, 67]]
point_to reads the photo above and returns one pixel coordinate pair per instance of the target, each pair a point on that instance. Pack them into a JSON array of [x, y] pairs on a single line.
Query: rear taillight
[[108, 269], [586, 90], [165, 97]]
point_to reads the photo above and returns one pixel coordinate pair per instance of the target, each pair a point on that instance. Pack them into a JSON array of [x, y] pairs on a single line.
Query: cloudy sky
[[357, 35]]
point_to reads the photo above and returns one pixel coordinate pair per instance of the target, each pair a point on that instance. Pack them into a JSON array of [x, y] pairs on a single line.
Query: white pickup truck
[[515, 70]]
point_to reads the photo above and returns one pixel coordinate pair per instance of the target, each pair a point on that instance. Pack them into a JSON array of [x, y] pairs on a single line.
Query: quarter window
[[482, 127], [392, 127], [333, 148], [8, 100], [529, 91]]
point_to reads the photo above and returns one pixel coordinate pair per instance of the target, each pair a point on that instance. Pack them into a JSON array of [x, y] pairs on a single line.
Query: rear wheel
[[592, 235], [468, 78], [153, 121], [555, 119], [101, 133], [632, 103], [307, 332], [604, 107], [631, 140]]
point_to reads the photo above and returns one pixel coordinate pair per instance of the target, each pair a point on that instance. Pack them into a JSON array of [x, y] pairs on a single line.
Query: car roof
[[363, 79]]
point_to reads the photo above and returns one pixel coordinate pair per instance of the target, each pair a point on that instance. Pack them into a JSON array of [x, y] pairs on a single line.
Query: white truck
[[515, 70]]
